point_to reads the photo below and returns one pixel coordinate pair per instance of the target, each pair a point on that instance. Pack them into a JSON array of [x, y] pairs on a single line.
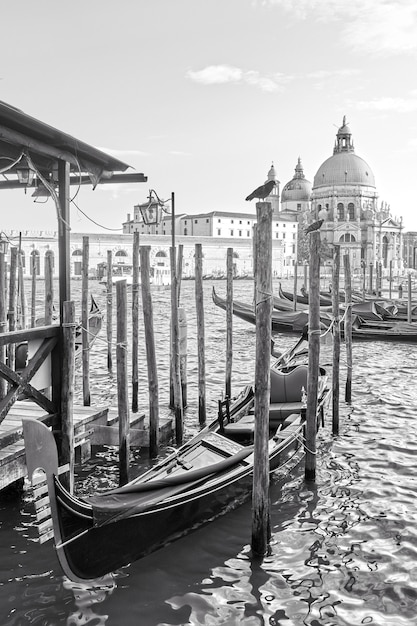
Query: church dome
[[344, 167], [299, 188]]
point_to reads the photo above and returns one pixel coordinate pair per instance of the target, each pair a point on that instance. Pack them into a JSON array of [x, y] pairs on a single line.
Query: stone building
[[344, 194]]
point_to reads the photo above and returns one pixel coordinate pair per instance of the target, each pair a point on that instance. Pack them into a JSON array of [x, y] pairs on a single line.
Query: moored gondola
[[207, 476]]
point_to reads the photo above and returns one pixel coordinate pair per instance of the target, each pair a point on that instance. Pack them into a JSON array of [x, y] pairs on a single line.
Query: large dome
[[344, 167], [297, 189]]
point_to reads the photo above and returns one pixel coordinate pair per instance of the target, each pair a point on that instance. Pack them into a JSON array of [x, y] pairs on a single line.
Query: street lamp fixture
[[25, 173], [4, 245], [151, 211]]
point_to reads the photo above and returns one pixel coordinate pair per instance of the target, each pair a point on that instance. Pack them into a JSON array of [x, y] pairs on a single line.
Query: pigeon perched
[[263, 191], [314, 226]]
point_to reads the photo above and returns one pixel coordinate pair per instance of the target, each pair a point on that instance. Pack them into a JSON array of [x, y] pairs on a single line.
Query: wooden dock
[[92, 426]]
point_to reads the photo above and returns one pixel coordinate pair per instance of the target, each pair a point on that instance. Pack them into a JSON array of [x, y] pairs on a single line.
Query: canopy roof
[[45, 145]]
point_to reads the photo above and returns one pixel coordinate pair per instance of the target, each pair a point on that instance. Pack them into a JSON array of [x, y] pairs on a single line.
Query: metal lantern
[[25, 174], [151, 211], [4, 245]]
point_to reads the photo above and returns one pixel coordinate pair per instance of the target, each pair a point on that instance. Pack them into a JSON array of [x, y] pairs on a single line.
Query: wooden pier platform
[[92, 426]]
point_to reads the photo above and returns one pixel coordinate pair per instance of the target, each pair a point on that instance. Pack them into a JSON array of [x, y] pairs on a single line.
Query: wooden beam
[[109, 178]]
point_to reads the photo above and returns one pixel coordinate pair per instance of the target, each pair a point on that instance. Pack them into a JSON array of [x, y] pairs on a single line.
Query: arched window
[[341, 211], [351, 211], [78, 262], [121, 254], [161, 257], [347, 238], [235, 255]]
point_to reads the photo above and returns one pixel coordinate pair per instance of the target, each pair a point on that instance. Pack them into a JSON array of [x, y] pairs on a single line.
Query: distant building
[[344, 194]]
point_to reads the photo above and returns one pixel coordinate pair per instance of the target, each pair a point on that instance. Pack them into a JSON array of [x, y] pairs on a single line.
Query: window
[[207, 221], [248, 223], [351, 211], [248, 233], [185, 231], [276, 235], [293, 235], [240, 221], [284, 225], [219, 220], [219, 232], [195, 221], [341, 211], [231, 233], [185, 221], [240, 233], [298, 207], [283, 235], [232, 221]]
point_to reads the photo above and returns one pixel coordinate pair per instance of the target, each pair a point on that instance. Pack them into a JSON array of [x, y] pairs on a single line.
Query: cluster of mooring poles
[[263, 305]]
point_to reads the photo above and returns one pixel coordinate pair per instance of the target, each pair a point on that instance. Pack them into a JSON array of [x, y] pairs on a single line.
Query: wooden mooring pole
[[182, 343], [295, 286], [49, 287], [2, 318], [348, 327], [122, 381], [260, 494], [199, 301], [33, 292], [390, 280], [84, 323], [150, 351], [21, 286], [109, 312], [229, 322], [67, 394], [313, 356], [135, 323], [409, 300], [336, 340], [11, 349]]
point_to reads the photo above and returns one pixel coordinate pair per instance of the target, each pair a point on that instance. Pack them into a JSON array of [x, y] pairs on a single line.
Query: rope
[[302, 440], [265, 293]]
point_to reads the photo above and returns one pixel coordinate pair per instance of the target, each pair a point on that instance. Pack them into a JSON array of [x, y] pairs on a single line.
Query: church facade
[[345, 196]]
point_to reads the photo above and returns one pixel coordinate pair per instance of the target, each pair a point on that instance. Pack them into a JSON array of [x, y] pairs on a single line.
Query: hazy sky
[[202, 95]]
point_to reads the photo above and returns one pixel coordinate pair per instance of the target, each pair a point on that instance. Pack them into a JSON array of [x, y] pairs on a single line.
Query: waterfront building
[[345, 196]]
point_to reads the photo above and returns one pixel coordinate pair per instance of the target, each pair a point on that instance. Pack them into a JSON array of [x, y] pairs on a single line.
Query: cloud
[[387, 104], [373, 26], [222, 74]]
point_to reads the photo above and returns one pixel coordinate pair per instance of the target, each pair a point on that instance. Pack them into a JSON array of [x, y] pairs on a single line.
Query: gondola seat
[[286, 394]]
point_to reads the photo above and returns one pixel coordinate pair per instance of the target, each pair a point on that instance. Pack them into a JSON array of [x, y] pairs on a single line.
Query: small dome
[[299, 188]]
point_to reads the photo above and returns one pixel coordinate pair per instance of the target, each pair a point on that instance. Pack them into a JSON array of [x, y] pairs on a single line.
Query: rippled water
[[344, 548]]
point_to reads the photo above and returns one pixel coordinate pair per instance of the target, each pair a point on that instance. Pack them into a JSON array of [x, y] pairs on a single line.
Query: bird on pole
[[263, 191], [314, 226]]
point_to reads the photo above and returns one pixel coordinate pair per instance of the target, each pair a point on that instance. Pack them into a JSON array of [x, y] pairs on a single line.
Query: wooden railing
[[41, 369]]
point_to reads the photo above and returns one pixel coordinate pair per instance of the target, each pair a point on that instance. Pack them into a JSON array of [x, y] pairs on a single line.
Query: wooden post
[[409, 302], [175, 355], [306, 276], [390, 280], [179, 270], [67, 394], [122, 381], [313, 356], [150, 351], [363, 279], [21, 286], [199, 301], [371, 274], [84, 323], [135, 323], [64, 232], [2, 319], [33, 294], [348, 327], [49, 288], [12, 304], [229, 322], [109, 315], [295, 286], [182, 327], [260, 493], [336, 340], [255, 257]]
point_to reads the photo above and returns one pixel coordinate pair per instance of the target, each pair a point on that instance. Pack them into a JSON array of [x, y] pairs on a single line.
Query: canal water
[[344, 549]]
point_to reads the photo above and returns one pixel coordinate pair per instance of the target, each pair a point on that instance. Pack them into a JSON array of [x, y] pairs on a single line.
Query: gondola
[[292, 322], [205, 477]]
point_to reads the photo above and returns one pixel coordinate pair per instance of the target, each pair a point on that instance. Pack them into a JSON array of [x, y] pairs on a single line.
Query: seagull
[[314, 226], [263, 191]]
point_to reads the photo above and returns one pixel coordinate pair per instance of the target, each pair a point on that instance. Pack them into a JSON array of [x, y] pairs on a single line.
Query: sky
[[203, 95]]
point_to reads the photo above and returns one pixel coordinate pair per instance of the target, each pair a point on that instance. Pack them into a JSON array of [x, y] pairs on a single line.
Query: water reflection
[[86, 597]]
